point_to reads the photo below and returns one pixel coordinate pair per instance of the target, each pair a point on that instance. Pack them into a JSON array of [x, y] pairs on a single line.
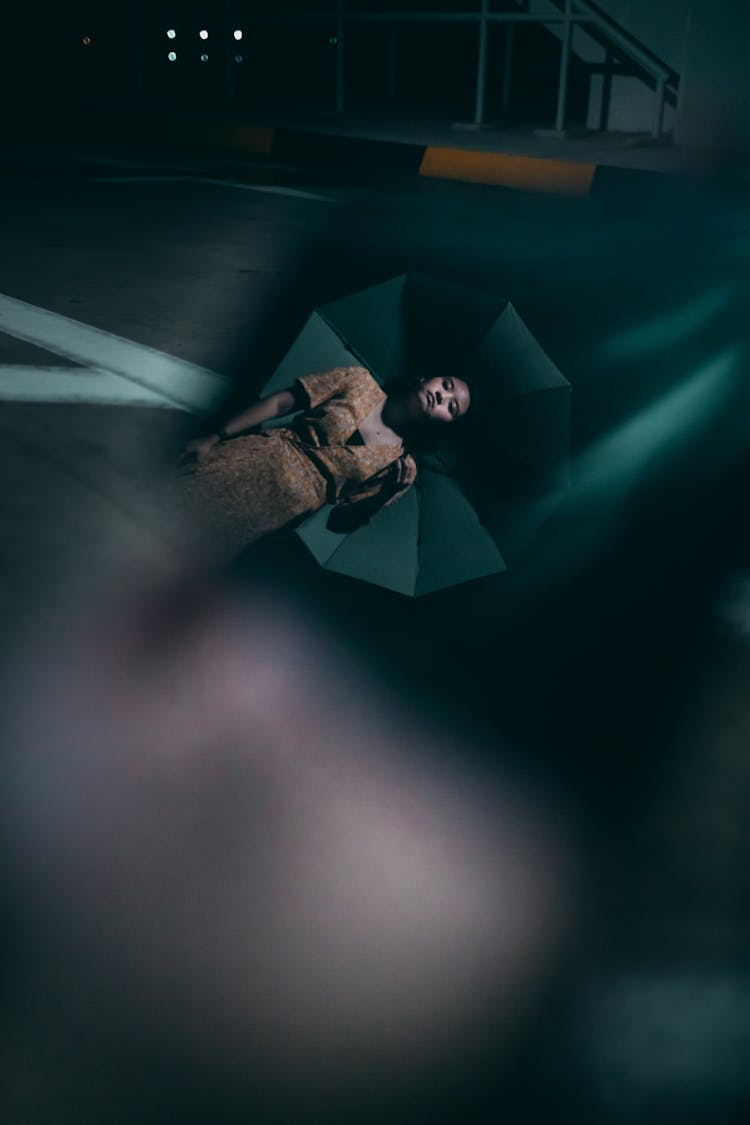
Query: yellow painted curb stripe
[[527, 173], [235, 136]]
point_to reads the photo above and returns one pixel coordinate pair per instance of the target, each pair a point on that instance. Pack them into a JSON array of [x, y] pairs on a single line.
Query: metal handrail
[[661, 74], [588, 14], [462, 17], [626, 43], [413, 17]]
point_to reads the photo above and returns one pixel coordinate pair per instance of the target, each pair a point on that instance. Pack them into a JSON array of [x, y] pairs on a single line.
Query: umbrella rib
[[347, 344], [337, 548], [527, 392]]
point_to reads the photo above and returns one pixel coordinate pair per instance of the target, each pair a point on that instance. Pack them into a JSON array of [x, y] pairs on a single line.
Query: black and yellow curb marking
[[524, 173]]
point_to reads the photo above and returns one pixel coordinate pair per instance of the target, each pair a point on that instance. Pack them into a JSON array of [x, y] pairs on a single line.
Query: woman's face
[[442, 399]]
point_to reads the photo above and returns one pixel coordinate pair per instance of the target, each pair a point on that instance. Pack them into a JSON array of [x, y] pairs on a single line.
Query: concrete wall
[[708, 43], [662, 27], [630, 108], [714, 110]]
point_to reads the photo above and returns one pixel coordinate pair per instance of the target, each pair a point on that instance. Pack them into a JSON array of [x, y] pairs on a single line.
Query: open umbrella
[[472, 507]]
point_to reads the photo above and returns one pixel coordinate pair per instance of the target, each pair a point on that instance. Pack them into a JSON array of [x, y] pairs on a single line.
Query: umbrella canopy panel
[[443, 323], [317, 348], [372, 323], [411, 325], [522, 426], [384, 551], [430, 539], [453, 545]]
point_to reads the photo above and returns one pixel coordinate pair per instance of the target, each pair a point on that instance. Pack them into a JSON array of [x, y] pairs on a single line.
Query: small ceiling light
[[203, 34], [204, 58], [171, 34], [172, 56], [238, 34], [239, 58]]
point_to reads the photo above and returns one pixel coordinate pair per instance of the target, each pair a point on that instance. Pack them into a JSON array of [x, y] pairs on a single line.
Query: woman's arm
[[272, 406]]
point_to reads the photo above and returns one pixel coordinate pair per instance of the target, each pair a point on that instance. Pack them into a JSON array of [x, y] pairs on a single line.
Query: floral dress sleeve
[[319, 387], [336, 402], [323, 385]]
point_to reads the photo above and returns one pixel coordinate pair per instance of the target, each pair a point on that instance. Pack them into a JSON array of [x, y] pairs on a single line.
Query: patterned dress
[[253, 485]]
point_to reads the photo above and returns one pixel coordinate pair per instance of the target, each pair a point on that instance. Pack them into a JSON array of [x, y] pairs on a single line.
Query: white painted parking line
[[272, 189], [176, 382], [268, 189], [84, 385]]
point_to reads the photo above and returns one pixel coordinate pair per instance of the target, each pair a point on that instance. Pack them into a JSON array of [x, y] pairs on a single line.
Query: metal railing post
[[562, 92], [575, 13], [658, 122], [482, 63], [392, 53], [606, 100], [138, 23], [508, 65], [340, 56], [228, 55], [294, 52]]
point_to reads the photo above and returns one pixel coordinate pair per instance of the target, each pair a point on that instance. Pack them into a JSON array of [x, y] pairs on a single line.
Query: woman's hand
[[404, 473], [198, 448]]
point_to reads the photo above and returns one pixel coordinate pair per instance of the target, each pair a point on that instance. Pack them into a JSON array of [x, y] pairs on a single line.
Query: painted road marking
[[270, 189], [273, 189], [177, 382], [84, 385]]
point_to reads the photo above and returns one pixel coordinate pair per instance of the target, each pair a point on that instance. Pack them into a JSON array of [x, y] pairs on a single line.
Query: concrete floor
[[606, 673]]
